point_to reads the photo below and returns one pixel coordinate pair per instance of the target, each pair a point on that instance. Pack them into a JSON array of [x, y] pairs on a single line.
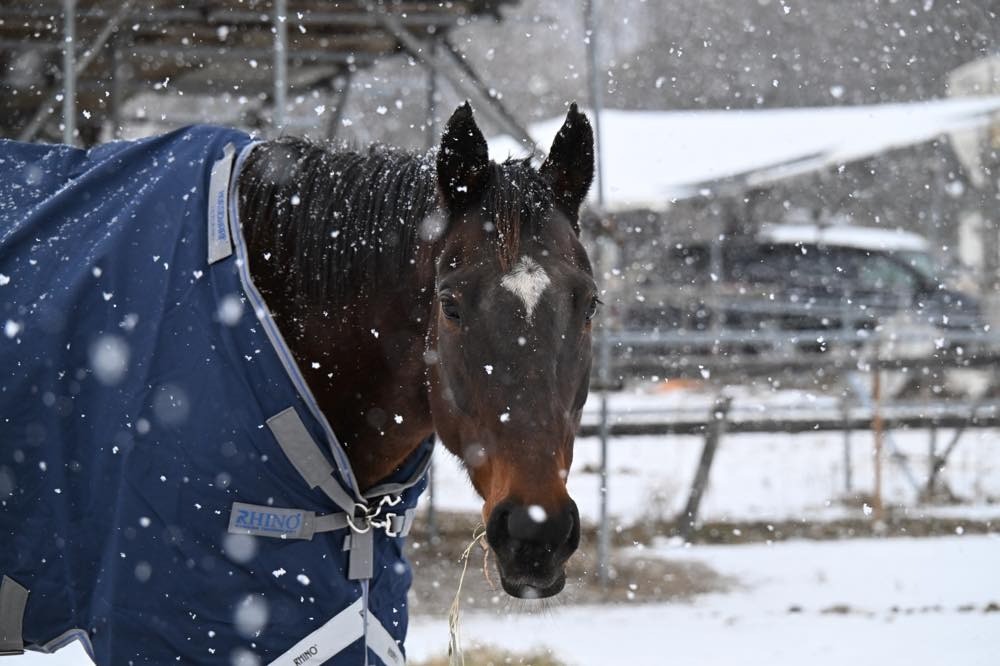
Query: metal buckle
[[387, 524], [361, 514], [370, 514]]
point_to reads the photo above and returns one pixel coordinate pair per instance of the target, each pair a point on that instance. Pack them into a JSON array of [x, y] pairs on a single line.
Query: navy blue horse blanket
[[169, 490]]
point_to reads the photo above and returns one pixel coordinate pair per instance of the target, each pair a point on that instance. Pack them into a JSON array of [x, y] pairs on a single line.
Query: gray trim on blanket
[[13, 598], [397, 488], [306, 456], [271, 329]]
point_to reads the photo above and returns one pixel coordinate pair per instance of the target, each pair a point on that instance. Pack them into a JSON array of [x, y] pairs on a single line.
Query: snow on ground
[[920, 602], [757, 476], [890, 601]]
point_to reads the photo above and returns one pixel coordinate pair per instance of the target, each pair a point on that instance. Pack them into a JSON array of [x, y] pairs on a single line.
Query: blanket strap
[[306, 456], [373, 511], [13, 598], [339, 632], [279, 523]]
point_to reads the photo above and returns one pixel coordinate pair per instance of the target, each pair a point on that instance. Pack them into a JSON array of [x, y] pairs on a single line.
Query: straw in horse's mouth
[[486, 568]]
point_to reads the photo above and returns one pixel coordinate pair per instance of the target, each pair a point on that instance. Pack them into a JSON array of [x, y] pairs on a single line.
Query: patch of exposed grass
[[493, 656]]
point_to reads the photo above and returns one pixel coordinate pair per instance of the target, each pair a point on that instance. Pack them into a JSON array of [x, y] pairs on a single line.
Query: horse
[[415, 294], [471, 318]]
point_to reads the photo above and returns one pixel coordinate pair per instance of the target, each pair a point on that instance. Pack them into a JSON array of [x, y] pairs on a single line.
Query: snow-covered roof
[[651, 157], [865, 238]]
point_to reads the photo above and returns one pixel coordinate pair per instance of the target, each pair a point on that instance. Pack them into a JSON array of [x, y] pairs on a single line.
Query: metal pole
[[431, 140], [488, 94], [341, 88], [848, 480], [432, 527], [463, 84], [596, 98], [432, 91], [280, 63], [604, 349], [895, 454], [877, 432], [117, 89], [714, 281], [89, 55], [604, 529], [69, 71], [931, 464]]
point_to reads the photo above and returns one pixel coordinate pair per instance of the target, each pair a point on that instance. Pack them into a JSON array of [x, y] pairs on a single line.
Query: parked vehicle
[[802, 277]]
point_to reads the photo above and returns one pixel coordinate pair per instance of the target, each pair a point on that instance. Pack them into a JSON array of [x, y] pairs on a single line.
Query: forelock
[[516, 201]]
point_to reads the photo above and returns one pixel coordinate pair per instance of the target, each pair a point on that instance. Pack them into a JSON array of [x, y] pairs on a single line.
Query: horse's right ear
[[463, 160]]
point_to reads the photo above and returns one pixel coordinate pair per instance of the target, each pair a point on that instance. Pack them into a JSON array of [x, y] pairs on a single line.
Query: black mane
[[339, 222]]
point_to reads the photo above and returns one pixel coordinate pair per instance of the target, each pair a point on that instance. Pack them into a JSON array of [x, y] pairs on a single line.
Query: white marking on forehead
[[528, 281]]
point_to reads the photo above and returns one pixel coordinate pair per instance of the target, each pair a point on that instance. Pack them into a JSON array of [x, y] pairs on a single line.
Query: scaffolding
[[70, 66]]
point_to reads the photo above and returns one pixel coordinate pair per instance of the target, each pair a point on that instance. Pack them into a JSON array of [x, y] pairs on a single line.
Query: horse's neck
[[374, 390], [364, 361], [361, 346]]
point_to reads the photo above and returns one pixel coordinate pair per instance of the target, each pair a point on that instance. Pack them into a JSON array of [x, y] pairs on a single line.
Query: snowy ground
[[759, 476], [756, 476], [920, 602], [837, 603]]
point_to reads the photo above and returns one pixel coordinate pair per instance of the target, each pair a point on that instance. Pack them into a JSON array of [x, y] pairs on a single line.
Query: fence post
[[846, 411], [714, 431], [280, 23], [931, 463], [69, 72], [604, 529], [877, 431], [432, 528]]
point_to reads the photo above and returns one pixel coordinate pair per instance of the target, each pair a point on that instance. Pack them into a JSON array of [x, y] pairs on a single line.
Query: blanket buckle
[[372, 516]]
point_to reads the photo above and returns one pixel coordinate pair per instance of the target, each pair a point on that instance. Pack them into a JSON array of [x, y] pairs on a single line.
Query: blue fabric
[[135, 383]]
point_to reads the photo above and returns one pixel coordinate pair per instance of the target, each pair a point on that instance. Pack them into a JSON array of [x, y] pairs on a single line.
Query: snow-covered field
[[759, 476], [920, 602]]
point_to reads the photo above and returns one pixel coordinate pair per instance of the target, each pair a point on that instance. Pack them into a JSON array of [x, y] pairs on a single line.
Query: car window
[[804, 266], [880, 273], [922, 263]]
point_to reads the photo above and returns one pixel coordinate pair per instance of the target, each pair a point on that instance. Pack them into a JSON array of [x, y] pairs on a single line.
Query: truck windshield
[[922, 263]]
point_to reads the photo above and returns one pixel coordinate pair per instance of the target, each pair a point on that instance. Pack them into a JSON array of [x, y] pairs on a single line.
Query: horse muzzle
[[532, 546]]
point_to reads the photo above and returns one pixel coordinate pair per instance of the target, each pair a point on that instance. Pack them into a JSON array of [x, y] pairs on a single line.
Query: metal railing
[[628, 355]]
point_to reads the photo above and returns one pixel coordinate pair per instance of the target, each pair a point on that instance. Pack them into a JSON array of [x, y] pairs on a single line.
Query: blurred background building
[[147, 66]]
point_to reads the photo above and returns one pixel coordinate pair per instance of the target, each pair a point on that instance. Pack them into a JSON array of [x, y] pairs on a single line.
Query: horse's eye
[[449, 306], [592, 308]]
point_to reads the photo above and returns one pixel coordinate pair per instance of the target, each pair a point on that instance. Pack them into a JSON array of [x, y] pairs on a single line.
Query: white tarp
[[652, 157]]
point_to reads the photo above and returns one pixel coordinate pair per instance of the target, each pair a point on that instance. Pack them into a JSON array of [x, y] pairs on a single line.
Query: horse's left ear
[[569, 168]]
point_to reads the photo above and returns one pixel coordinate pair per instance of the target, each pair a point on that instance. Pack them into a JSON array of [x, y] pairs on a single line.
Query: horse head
[[509, 344]]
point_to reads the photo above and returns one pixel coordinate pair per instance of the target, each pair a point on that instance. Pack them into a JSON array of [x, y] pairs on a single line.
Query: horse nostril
[[527, 523], [497, 528], [573, 538], [529, 529]]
